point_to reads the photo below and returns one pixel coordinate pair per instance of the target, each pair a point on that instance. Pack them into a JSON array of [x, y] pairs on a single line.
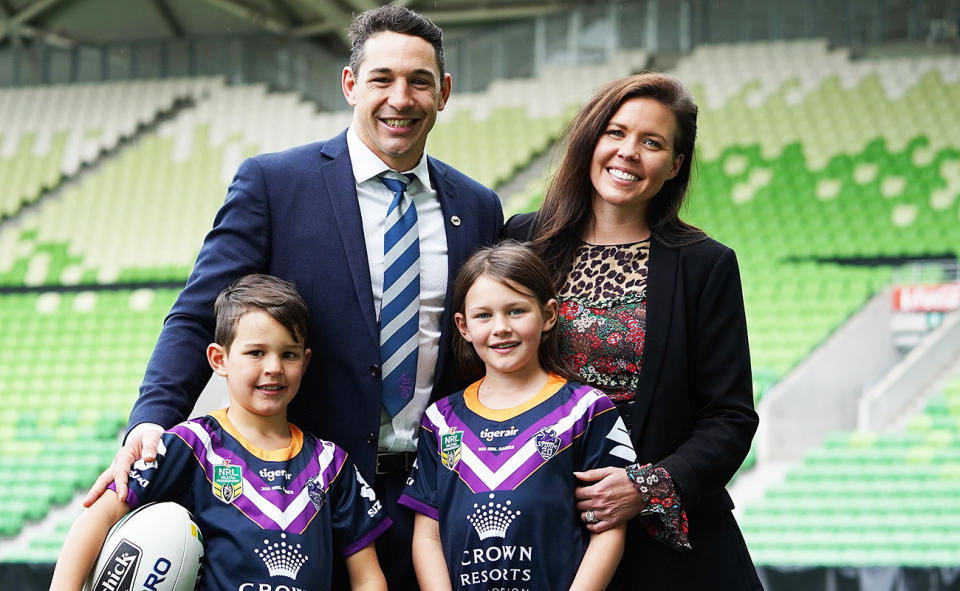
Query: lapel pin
[[455, 220]]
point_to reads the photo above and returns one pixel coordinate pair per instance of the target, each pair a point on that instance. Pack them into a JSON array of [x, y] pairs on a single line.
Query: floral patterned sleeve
[[663, 514]]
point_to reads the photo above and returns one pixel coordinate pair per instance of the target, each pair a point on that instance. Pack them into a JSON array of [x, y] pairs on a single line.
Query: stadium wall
[[822, 393], [889, 399]]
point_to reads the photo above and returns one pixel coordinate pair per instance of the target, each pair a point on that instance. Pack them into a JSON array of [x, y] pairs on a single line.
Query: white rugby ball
[[156, 546]]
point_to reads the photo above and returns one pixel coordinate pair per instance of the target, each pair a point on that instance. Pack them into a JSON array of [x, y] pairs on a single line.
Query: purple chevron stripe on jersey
[[255, 514], [275, 497], [195, 443], [494, 460], [200, 450], [517, 476], [218, 447], [329, 471]]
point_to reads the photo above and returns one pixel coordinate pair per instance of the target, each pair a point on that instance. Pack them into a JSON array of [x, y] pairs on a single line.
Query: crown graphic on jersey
[[281, 558], [492, 519]]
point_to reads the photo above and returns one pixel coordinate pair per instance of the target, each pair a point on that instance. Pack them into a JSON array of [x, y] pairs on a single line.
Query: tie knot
[[397, 185]]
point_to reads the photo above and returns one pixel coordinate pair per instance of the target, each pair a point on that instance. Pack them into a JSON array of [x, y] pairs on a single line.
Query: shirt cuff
[[662, 515]]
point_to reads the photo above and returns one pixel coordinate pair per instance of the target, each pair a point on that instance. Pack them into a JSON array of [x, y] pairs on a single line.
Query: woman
[[680, 374]]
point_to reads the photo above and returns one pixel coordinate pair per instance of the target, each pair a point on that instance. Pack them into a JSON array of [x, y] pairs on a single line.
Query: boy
[[295, 489]]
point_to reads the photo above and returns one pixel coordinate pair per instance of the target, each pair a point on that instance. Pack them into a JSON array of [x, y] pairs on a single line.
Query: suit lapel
[[341, 189], [661, 285], [456, 254]]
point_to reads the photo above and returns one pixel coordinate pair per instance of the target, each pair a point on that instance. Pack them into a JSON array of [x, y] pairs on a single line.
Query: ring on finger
[[590, 517]]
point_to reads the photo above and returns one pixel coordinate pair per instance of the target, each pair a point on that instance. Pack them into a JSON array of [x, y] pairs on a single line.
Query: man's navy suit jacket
[[295, 214]]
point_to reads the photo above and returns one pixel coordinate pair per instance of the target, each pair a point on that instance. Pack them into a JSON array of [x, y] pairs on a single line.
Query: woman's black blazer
[[694, 410]]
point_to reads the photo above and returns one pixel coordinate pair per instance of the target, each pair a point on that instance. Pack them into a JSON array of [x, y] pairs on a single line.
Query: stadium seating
[[869, 499], [806, 155], [71, 368], [49, 132], [807, 159], [142, 216]]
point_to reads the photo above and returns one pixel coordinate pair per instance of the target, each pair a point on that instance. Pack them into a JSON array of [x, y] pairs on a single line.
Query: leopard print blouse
[[603, 316], [603, 325]]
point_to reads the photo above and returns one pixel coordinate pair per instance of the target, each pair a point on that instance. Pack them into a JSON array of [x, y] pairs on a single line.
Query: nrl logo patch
[[227, 482], [547, 442], [450, 444]]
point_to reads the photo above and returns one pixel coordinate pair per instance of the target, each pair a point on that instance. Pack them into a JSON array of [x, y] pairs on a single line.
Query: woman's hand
[[611, 497]]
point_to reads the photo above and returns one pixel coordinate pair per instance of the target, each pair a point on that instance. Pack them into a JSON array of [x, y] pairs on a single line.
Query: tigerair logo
[[271, 475], [489, 435], [118, 573]]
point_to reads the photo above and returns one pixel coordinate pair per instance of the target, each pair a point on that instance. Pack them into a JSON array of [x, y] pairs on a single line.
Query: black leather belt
[[395, 462], [626, 410]]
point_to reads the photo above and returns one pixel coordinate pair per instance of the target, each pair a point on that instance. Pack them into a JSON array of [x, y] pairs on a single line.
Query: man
[[317, 215]]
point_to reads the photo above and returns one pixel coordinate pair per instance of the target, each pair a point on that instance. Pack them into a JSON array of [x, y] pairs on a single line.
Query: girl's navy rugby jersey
[[501, 484]]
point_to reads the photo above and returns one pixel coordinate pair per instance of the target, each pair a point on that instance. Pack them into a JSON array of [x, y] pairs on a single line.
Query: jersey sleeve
[[165, 479], [358, 515], [606, 441], [420, 494]]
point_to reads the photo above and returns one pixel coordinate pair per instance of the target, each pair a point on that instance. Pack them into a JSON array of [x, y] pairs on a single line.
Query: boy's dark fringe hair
[[267, 293]]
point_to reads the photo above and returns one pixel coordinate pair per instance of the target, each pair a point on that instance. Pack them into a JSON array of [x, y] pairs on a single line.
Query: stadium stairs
[[877, 507]]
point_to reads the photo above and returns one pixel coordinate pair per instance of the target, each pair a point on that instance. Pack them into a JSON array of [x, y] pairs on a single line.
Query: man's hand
[[141, 443], [612, 498]]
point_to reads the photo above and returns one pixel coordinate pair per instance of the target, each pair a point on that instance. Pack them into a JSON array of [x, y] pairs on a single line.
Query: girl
[[493, 484]]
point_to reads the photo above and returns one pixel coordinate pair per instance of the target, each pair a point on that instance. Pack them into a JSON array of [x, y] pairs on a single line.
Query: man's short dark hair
[[393, 19], [266, 293]]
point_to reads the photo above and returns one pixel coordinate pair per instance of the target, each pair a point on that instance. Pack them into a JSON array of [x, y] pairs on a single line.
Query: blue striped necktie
[[400, 307]]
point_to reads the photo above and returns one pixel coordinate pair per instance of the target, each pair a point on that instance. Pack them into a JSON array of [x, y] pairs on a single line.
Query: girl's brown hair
[[518, 267], [566, 210]]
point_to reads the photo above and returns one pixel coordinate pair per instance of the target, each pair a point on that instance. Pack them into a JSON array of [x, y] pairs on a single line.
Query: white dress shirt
[[399, 433]]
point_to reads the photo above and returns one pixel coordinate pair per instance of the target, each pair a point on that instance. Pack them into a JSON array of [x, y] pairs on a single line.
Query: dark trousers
[[395, 546]]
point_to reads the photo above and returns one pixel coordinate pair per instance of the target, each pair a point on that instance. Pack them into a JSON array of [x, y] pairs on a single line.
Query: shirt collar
[[367, 165]]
